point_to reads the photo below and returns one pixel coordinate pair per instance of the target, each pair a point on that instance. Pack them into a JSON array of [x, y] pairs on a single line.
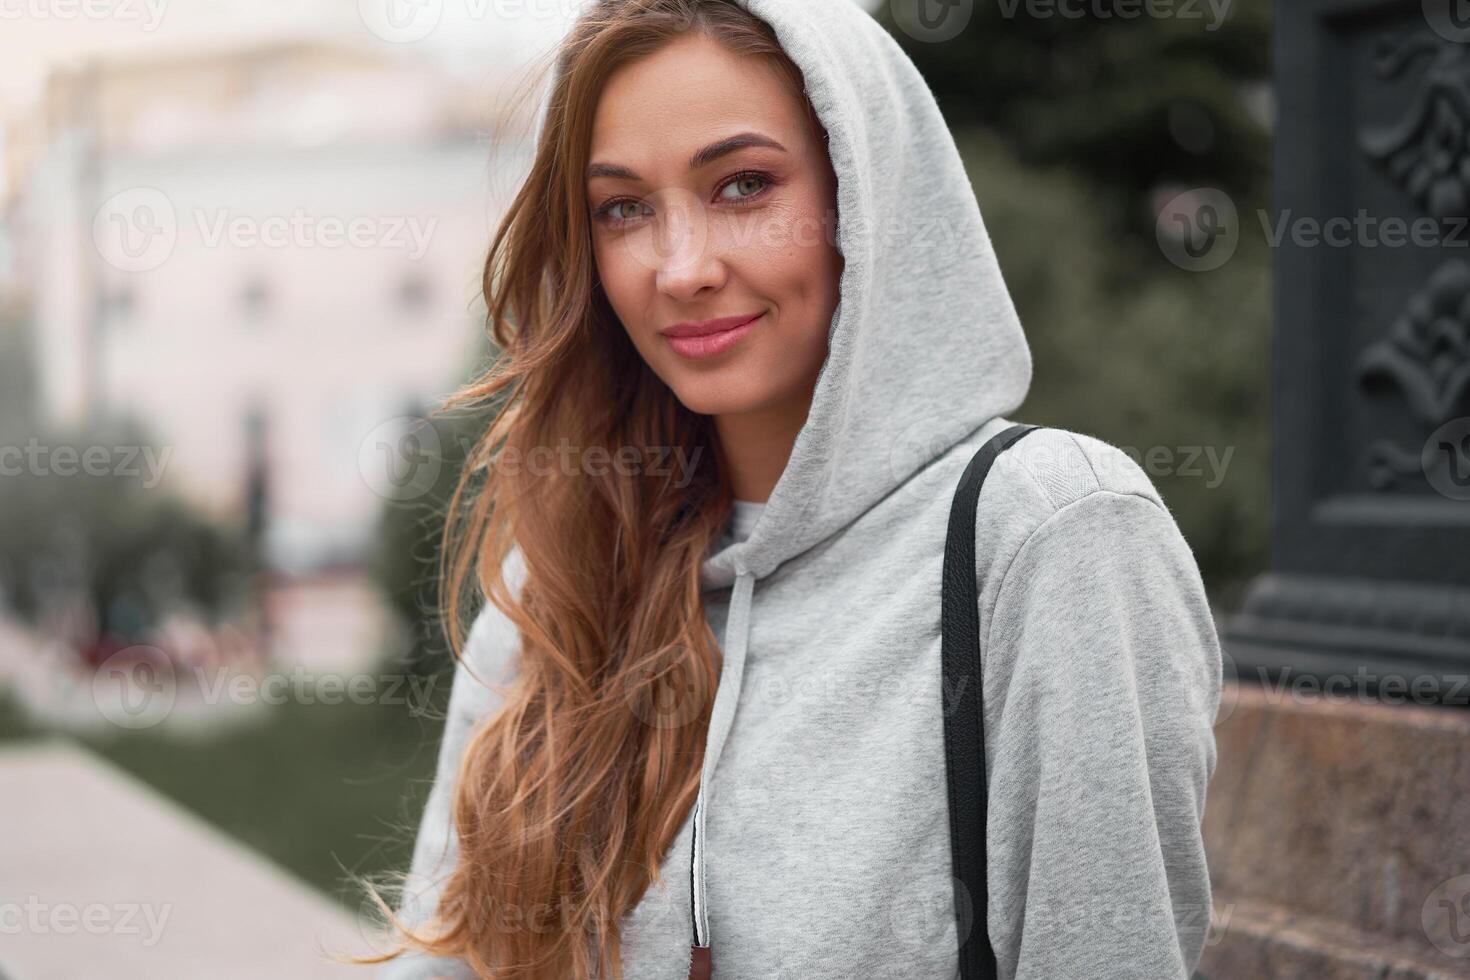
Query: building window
[[118, 305], [414, 294], [255, 300]]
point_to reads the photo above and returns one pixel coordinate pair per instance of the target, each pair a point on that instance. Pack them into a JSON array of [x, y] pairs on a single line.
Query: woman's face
[[713, 202]]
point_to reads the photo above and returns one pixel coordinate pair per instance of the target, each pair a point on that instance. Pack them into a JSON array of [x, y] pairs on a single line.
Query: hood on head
[[925, 344]]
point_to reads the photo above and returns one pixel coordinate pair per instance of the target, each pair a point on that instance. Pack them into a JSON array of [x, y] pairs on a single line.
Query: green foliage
[[1137, 352], [17, 369], [405, 562]]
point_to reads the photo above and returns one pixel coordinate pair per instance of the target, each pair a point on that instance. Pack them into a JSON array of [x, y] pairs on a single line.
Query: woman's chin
[[727, 391]]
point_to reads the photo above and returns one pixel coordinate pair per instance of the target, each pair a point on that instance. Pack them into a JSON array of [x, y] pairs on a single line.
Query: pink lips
[[710, 337]]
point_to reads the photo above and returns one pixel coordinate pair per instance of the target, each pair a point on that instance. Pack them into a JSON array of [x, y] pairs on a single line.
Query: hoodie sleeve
[[1103, 659], [488, 650]]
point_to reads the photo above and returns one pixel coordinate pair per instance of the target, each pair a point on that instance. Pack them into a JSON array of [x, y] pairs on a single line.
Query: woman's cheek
[[816, 231], [619, 274], [784, 229]]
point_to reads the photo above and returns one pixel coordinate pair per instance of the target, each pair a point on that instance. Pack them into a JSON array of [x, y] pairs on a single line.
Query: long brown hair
[[570, 794]]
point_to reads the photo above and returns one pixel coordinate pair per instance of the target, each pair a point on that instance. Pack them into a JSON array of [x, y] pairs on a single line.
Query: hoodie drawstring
[[732, 670]]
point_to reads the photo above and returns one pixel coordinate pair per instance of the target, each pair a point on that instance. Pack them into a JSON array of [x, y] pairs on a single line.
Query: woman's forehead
[[687, 95]]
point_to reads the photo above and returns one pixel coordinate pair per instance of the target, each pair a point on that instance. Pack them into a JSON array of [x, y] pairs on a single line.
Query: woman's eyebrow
[[701, 158]]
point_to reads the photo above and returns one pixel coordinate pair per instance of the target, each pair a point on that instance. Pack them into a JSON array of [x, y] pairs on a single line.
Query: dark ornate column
[[1337, 823], [1370, 566]]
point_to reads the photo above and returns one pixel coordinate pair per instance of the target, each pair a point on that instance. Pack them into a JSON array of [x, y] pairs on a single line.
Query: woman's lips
[[710, 344]]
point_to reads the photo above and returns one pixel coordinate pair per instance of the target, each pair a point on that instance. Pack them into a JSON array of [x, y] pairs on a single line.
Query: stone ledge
[[1335, 830], [1258, 940]]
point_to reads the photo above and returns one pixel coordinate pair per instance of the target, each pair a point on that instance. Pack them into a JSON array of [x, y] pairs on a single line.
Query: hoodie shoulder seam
[[1042, 524], [1088, 459], [1048, 495], [1045, 493]]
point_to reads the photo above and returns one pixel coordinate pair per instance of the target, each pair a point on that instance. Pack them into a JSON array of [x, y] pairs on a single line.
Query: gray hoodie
[[823, 824]]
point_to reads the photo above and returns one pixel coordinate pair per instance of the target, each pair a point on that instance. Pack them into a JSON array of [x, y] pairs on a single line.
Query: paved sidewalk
[[100, 876]]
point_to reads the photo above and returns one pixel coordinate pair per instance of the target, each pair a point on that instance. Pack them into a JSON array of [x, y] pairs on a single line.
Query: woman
[[747, 263]]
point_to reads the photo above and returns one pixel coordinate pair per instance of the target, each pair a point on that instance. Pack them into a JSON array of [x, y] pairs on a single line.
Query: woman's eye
[[754, 184], [739, 190], [614, 211]]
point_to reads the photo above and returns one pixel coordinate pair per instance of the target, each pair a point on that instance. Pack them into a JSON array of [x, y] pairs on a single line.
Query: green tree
[[405, 562], [133, 550], [1127, 99]]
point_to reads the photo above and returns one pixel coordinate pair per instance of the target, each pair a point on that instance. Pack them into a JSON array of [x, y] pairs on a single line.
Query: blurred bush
[[405, 562], [92, 552]]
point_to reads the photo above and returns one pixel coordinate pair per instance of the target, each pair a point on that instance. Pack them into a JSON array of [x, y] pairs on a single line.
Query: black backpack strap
[[964, 722]]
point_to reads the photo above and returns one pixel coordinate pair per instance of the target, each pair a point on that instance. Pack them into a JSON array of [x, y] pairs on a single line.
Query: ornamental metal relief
[[1424, 356], [1427, 152]]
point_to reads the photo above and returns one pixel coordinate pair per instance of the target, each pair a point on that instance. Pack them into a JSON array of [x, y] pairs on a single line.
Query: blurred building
[[264, 256]]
